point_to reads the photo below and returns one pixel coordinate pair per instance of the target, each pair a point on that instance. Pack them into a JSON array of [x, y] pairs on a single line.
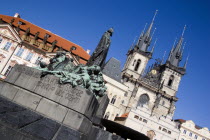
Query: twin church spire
[[146, 37], [145, 40], [176, 52]]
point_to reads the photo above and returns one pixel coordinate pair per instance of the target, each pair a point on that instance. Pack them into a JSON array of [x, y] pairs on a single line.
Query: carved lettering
[[28, 71]]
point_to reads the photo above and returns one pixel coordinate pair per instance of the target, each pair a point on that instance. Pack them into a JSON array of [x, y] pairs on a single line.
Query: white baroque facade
[[190, 131]]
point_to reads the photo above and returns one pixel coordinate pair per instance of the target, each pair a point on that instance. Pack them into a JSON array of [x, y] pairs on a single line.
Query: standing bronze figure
[[99, 55]]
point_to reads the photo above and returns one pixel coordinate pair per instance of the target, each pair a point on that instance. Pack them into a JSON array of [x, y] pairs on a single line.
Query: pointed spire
[[172, 49], [152, 34], [150, 27], [176, 53], [183, 30], [142, 33], [183, 49], [154, 46], [163, 57], [133, 43], [185, 65], [146, 37]]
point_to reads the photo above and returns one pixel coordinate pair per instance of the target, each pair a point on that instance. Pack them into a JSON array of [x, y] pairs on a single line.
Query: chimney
[[17, 15]]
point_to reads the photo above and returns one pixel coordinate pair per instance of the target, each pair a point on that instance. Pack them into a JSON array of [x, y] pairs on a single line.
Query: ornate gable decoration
[[8, 32]]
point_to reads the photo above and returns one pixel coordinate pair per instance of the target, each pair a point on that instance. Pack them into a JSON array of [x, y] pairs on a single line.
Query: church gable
[[8, 32]]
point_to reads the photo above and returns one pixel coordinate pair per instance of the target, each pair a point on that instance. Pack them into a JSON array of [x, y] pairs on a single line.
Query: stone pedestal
[[50, 108]]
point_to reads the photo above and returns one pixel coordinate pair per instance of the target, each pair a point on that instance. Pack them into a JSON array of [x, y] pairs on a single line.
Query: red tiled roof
[[61, 42]]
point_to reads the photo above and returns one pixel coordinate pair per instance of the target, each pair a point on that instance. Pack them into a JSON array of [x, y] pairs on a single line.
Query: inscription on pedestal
[[51, 84], [28, 71]]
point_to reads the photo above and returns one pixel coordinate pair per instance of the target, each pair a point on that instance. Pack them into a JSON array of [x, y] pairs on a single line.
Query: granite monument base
[[41, 108]]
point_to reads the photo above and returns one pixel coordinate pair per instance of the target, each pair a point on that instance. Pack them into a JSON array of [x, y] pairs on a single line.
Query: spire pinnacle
[[174, 44], [152, 34], [144, 28], [163, 57], [133, 43], [154, 46], [142, 33], [183, 30], [183, 48], [185, 65], [154, 16]]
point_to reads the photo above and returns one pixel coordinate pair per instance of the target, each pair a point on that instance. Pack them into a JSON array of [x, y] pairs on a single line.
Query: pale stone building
[[22, 42], [190, 131]]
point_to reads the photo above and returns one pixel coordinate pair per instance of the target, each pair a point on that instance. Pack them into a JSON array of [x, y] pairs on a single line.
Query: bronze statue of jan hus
[[88, 77], [99, 55]]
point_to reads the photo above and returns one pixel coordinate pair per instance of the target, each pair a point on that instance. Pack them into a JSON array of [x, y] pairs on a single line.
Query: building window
[[137, 65], [196, 137], [106, 115], [8, 70], [144, 99], [203, 139], [7, 46], [184, 131], [169, 132], [38, 60], [160, 127], [140, 119], [170, 81], [113, 99], [29, 56], [136, 117], [145, 121], [126, 94], [134, 62], [1, 39], [190, 134], [164, 130], [182, 139], [20, 52]]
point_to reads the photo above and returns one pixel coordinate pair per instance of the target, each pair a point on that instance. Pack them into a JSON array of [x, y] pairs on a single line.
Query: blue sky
[[84, 21]]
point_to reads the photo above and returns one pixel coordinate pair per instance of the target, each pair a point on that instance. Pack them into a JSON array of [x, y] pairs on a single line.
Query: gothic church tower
[[137, 59]]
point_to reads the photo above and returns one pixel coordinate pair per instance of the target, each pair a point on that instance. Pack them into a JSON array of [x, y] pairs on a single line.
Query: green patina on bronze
[[88, 77]]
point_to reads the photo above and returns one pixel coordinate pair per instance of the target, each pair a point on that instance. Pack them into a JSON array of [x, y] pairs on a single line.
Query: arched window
[[113, 99], [134, 62], [170, 81], [144, 99], [137, 65], [106, 115]]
